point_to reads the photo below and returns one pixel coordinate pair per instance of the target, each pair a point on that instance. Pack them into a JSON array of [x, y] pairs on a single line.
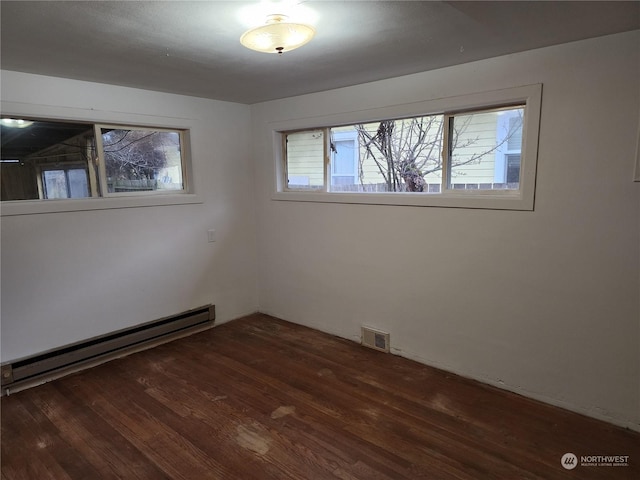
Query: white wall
[[70, 276], [544, 303]]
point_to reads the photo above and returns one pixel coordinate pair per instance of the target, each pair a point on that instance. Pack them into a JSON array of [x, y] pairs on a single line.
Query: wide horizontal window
[[480, 156], [476, 150], [45, 160]]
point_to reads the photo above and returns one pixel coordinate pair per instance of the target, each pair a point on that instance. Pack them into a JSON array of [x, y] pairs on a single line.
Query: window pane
[[485, 150], [55, 182], [142, 160], [513, 168], [401, 155], [78, 185], [305, 160], [31, 148]]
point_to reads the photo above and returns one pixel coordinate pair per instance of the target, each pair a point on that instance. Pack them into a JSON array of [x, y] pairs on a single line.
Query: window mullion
[[100, 160], [67, 181], [40, 182], [285, 163], [446, 151], [92, 156], [327, 159]]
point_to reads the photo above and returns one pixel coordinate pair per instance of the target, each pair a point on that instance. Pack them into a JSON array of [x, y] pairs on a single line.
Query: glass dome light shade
[[277, 36]]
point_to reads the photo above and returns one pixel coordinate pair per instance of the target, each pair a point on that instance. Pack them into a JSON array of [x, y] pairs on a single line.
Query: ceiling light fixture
[[277, 35]]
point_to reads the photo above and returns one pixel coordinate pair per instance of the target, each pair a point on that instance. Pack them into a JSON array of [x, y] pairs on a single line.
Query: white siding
[[305, 158]]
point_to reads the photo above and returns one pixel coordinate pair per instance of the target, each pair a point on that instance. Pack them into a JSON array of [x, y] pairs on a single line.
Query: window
[[43, 159], [66, 182], [474, 156], [406, 155], [140, 160]]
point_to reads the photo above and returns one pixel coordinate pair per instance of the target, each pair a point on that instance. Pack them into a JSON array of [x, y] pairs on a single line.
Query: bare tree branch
[[406, 151]]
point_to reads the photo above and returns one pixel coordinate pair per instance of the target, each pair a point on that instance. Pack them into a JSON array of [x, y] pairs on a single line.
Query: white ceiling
[[192, 48]]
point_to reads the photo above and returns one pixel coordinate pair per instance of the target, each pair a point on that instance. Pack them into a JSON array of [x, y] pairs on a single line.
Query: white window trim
[[523, 199], [62, 114], [34, 207]]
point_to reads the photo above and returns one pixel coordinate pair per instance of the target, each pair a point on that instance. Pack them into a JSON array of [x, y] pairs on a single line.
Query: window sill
[[489, 201], [35, 207]]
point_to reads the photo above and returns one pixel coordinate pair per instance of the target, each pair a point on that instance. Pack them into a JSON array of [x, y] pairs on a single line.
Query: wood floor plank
[[26, 444], [260, 398], [99, 443], [139, 419], [70, 459]]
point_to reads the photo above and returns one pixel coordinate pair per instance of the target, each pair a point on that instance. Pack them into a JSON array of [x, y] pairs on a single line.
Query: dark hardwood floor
[[259, 398]]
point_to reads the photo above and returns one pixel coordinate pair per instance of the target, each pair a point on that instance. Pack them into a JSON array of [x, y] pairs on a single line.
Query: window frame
[[522, 199], [189, 195]]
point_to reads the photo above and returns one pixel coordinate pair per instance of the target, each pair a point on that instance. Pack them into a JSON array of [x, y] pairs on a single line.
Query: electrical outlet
[[211, 235]]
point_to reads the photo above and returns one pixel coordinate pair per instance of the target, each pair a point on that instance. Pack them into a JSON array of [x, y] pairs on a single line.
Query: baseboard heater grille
[[47, 364]]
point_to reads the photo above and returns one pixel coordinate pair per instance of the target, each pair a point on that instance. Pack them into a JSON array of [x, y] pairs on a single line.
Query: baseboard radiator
[[54, 363]]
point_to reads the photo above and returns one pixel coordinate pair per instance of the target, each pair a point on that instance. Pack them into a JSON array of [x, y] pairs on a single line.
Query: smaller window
[[69, 182], [46, 159], [140, 160]]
